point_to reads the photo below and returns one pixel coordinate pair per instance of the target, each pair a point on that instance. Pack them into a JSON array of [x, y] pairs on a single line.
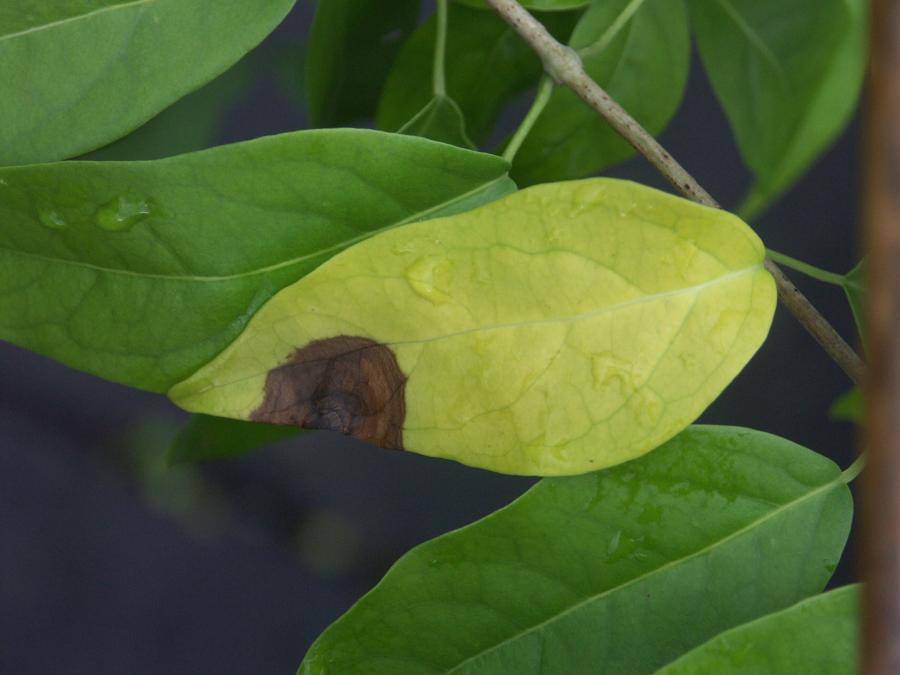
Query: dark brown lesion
[[348, 384]]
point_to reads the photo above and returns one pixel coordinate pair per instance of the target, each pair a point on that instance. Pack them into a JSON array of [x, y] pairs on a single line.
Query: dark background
[[111, 563]]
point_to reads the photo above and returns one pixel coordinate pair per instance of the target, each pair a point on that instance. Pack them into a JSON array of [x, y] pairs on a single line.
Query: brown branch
[[564, 65], [880, 635]]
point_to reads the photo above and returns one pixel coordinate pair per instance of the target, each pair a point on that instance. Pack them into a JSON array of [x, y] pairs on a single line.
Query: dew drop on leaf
[[424, 277], [51, 218], [122, 213]]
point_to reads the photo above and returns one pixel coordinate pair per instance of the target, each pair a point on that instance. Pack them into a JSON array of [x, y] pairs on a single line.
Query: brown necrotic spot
[[348, 384]]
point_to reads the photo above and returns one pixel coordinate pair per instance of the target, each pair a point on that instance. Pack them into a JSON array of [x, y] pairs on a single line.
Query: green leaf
[[848, 407], [853, 284], [440, 120], [351, 47], [141, 272], [192, 123], [208, 439], [77, 74], [539, 5], [818, 635], [788, 75], [486, 63], [618, 571], [639, 51], [560, 329]]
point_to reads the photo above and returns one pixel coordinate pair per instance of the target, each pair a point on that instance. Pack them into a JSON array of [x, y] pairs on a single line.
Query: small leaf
[[560, 329], [639, 51], [351, 48], [77, 75], [486, 64], [141, 272], [617, 571], [848, 407], [788, 75], [440, 120], [208, 439], [854, 286], [818, 635]]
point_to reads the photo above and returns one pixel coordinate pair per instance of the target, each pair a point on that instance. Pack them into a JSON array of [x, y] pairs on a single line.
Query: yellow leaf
[[562, 329]]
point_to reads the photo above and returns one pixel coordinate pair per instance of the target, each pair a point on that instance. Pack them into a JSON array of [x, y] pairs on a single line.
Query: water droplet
[[614, 543], [425, 276], [51, 218], [122, 213]]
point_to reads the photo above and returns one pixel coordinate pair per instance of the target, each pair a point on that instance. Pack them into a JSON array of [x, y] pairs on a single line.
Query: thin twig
[[438, 77], [564, 65], [545, 89]]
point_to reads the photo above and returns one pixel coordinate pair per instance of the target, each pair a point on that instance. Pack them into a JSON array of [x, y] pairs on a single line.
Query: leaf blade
[[818, 635], [518, 330], [352, 45], [639, 51], [678, 525], [440, 120], [209, 439], [76, 291], [486, 64], [788, 77], [73, 81]]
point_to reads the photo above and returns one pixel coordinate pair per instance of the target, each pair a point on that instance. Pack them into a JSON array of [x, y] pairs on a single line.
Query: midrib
[[608, 309], [75, 19]]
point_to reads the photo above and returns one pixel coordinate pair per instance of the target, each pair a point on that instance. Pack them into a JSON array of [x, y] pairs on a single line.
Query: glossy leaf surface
[[788, 75], [816, 636], [76, 75], [351, 47], [616, 571], [208, 439], [562, 328], [141, 272], [639, 51], [486, 64]]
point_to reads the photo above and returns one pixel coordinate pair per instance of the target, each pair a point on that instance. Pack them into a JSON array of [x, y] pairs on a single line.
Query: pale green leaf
[[141, 272], [617, 571], [818, 636], [351, 47], [639, 51], [788, 75], [566, 327], [440, 120], [208, 439], [486, 63], [77, 74]]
